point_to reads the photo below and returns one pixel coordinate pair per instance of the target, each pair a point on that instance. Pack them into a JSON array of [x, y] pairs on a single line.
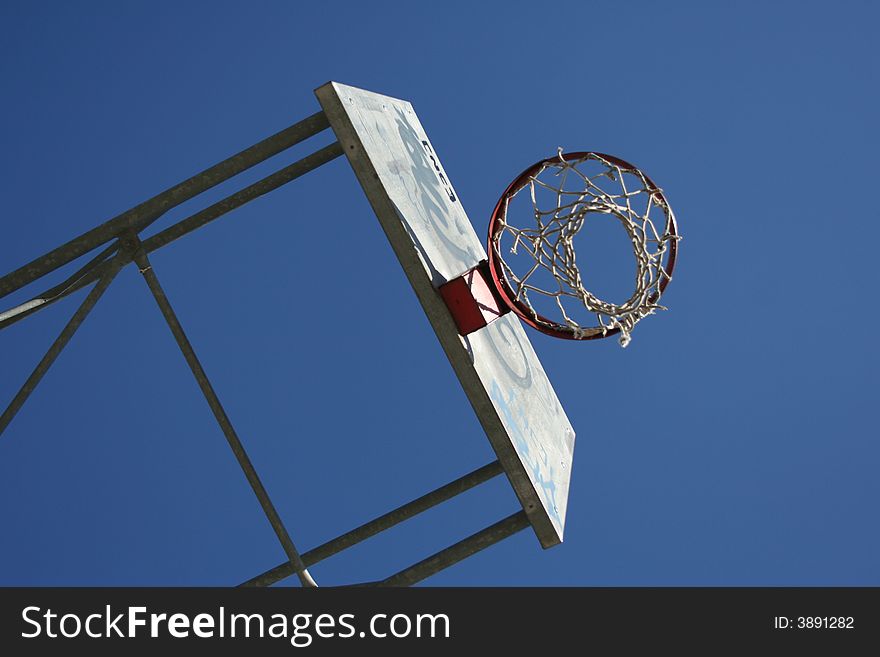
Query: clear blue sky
[[733, 443]]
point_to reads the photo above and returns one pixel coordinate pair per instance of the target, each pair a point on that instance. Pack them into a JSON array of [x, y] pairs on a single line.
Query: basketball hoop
[[532, 255]]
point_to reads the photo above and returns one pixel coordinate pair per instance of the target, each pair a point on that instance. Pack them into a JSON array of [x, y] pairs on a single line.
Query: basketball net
[[580, 190]]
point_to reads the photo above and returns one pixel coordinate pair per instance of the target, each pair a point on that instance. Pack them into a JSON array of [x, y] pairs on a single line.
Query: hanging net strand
[[581, 184]]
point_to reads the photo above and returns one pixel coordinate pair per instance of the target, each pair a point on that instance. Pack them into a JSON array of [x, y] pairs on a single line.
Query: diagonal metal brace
[[63, 338], [232, 438], [383, 522]]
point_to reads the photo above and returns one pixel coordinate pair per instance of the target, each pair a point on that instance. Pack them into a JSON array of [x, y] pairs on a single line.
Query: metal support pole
[[98, 264], [63, 338], [264, 186], [461, 550], [381, 523], [221, 417], [147, 212]]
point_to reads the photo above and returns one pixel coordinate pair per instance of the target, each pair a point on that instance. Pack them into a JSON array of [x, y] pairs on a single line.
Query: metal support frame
[[381, 523], [126, 246], [98, 265], [149, 211]]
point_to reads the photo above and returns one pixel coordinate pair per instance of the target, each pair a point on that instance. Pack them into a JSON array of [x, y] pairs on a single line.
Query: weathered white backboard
[[435, 242]]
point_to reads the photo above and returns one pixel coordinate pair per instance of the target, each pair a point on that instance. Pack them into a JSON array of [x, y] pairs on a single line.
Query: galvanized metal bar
[[84, 276], [267, 184], [62, 340], [381, 523], [147, 212], [222, 419], [458, 552]]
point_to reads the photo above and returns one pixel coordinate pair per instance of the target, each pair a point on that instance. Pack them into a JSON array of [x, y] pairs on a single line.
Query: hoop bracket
[[472, 299]]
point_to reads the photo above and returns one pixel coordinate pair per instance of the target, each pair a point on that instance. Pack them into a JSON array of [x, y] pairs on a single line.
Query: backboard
[[435, 243]]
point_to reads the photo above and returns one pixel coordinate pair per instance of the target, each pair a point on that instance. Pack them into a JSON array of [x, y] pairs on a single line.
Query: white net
[[564, 192]]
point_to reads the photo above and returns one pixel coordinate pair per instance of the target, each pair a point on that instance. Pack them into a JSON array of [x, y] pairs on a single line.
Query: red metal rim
[[507, 295]]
